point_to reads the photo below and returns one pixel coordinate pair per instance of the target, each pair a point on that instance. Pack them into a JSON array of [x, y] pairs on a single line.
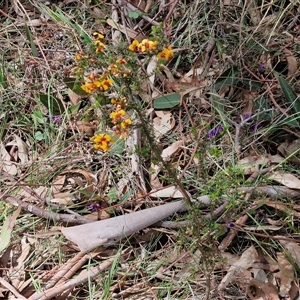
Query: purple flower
[[261, 68], [54, 118], [94, 207], [256, 126], [247, 116], [215, 131], [229, 225]]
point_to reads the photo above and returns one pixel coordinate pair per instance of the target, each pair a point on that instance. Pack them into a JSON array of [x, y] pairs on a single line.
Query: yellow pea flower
[[166, 53]]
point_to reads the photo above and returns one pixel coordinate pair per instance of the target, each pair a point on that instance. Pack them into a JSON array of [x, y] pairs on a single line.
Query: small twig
[[238, 127], [227, 241], [192, 154], [173, 5]]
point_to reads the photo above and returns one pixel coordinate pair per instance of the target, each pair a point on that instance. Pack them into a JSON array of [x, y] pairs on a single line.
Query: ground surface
[[212, 122]]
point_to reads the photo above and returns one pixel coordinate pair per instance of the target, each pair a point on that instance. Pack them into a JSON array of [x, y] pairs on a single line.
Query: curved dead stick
[[74, 219]]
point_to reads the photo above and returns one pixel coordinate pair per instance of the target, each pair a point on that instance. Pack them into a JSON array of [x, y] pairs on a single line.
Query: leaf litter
[[242, 198]]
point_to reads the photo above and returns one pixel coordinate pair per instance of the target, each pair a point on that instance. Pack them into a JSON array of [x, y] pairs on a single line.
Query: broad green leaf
[[72, 84], [254, 45], [219, 104], [289, 95], [54, 105], [118, 147], [229, 77], [34, 50], [260, 105], [251, 84], [167, 101]]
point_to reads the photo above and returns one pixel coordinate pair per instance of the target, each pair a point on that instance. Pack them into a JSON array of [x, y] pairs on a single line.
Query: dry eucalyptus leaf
[[6, 163], [163, 123], [63, 201], [289, 180], [245, 262], [291, 149], [74, 98], [84, 127], [292, 248], [151, 69], [286, 274], [19, 150], [171, 150], [17, 274], [130, 32], [292, 62], [250, 163]]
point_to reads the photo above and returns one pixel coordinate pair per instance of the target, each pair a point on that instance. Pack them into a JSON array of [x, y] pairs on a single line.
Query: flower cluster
[[112, 76], [95, 82], [100, 46], [102, 141], [120, 119], [119, 68], [147, 45]]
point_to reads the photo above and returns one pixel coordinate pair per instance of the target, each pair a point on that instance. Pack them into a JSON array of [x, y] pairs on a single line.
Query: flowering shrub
[[111, 73]]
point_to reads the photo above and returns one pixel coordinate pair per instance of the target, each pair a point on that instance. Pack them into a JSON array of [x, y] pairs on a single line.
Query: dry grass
[[237, 64]]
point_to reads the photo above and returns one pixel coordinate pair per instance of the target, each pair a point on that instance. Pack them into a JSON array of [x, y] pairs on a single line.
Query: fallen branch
[[40, 212], [83, 277]]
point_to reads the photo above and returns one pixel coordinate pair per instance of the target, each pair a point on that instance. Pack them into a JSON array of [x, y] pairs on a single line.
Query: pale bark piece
[[245, 262], [168, 192], [111, 231], [289, 180]]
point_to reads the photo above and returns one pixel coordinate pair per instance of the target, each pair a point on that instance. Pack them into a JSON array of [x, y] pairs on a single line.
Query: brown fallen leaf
[[246, 260], [292, 248], [292, 62], [287, 179], [286, 274]]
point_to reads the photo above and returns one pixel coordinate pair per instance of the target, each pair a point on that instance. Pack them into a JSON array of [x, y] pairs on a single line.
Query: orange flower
[[100, 46], [144, 46], [121, 61], [166, 53], [90, 87], [78, 56], [97, 35], [105, 84], [126, 123], [117, 115], [134, 46], [102, 141], [148, 45]]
